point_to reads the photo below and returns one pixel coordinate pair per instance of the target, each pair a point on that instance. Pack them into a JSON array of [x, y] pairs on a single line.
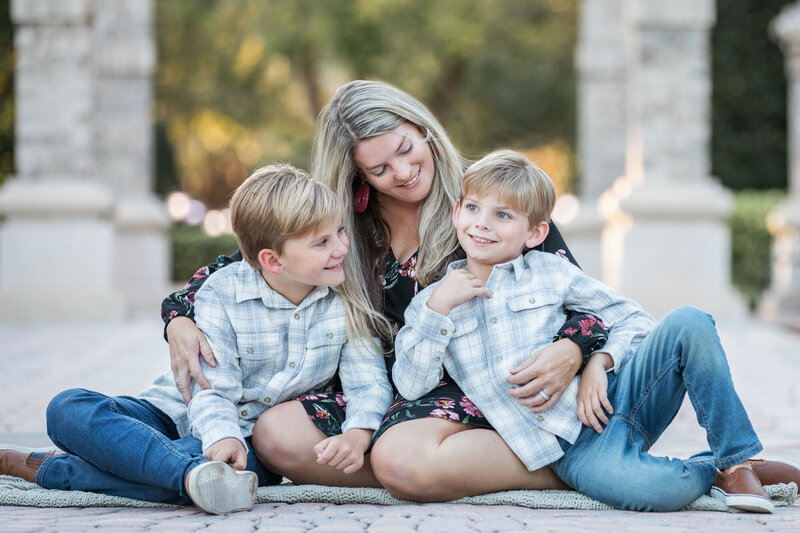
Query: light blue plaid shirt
[[484, 338], [268, 351]]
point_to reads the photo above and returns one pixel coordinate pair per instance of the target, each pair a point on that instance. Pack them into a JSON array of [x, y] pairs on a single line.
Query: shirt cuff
[[219, 432], [433, 327]]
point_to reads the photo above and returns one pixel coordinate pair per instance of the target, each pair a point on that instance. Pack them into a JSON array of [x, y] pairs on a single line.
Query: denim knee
[[689, 320], [67, 407]]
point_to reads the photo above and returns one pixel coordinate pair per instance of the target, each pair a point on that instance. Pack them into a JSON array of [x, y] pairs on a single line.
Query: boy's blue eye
[[503, 214], [472, 207]]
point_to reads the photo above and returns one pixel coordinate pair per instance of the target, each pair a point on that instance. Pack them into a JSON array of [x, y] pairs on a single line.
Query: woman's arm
[[186, 342]]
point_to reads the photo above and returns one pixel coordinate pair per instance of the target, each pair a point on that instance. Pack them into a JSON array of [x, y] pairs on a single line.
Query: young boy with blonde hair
[[500, 304], [278, 330]]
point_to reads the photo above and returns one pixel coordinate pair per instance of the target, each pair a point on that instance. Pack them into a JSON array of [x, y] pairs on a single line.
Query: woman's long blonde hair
[[360, 110]]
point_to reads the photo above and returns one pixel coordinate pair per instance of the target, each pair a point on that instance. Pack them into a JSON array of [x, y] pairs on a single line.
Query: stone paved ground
[[37, 361]]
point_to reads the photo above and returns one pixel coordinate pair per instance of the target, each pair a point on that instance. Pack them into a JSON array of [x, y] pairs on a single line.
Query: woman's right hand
[[186, 344]]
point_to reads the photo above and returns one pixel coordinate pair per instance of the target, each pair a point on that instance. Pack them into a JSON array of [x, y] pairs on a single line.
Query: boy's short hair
[[276, 203], [509, 174]]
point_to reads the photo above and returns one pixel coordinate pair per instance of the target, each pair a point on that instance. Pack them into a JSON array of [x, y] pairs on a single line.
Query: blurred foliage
[[6, 92], [192, 249], [751, 243], [749, 97], [240, 82]]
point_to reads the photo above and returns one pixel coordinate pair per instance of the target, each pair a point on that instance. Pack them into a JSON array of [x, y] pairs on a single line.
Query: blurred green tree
[[749, 97], [6, 92], [240, 83]]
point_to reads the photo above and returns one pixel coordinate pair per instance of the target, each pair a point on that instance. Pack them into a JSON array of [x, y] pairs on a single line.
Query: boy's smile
[[491, 232], [310, 261]]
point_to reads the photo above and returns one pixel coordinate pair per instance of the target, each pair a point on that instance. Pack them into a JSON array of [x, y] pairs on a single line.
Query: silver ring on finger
[[543, 394]]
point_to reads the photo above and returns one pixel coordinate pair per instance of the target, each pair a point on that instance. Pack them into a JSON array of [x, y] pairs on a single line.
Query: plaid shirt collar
[[517, 266], [251, 286]]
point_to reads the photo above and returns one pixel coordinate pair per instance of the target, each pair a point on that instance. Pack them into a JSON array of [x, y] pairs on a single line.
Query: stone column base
[[142, 253], [781, 303], [674, 248], [56, 246]]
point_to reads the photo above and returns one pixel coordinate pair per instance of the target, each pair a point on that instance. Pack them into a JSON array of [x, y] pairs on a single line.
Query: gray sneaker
[[216, 488]]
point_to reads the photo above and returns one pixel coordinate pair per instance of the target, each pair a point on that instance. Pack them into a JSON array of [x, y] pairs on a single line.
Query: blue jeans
[[122, 446], [683, 354]]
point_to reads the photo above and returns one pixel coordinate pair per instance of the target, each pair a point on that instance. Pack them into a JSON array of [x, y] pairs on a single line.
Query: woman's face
[[398, 164]]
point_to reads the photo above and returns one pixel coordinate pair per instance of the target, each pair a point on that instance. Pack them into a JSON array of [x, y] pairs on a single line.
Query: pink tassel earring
[[361, 198]]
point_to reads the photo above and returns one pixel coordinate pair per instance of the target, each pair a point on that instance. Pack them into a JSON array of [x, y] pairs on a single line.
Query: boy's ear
[[456, 209], [270, 261], [538, 234]]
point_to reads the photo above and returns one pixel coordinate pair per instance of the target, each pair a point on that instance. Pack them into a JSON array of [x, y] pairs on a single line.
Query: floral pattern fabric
[[326, 410], [446, 401]]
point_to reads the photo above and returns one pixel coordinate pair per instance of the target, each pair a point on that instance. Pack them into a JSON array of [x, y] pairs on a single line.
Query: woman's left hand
[[550, 370]]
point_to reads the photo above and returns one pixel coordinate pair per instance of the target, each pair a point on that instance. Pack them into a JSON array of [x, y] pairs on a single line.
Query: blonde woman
[[389, 159]]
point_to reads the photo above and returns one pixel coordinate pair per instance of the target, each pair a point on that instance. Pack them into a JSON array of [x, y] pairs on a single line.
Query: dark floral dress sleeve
[[587, 331], [181, 303]]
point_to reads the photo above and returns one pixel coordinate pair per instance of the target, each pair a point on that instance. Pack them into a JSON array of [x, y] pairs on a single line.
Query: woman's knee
[[277, 439], [406, 470]]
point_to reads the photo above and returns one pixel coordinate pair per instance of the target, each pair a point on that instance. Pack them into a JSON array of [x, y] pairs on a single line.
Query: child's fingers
[[355, 465], [606, 405], [597, 407], [591, 417], [320, 446], [240, 460], [582, 414]]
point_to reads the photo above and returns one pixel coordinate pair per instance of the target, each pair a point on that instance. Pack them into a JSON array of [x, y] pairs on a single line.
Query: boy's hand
[[458, 287], [230, 451], [593, 392], [344, 452]]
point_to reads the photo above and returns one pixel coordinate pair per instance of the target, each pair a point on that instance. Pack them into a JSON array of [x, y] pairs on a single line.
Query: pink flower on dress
[[409, 268], [444, 402], [173, 314], [562, 254], [571, 331], [203, 272], [309, 397], [323, 414], [340, 400], [469, 407], [586, 325], [444, 413], [190, 297]]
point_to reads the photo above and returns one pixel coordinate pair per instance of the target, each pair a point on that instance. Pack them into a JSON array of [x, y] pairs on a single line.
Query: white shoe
[[216, 488]]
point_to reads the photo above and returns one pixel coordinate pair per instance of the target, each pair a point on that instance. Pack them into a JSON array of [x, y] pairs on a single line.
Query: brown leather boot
[[22, 464], [742, 489], [776, 471]]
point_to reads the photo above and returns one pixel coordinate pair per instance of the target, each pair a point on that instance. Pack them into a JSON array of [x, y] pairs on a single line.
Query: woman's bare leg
[[431, 459], [284, 440]]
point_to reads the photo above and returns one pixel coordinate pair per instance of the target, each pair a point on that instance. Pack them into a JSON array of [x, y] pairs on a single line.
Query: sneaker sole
[[745, 502], [216, 488]]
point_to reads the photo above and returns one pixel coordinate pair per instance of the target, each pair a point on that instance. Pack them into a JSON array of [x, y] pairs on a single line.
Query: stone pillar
[[80, 200], [124, 61], [600, 64], [782, 301], [666, 243], [57, 239]]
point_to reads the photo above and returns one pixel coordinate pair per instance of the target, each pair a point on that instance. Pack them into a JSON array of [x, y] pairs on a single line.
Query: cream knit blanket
[[15, 491]]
